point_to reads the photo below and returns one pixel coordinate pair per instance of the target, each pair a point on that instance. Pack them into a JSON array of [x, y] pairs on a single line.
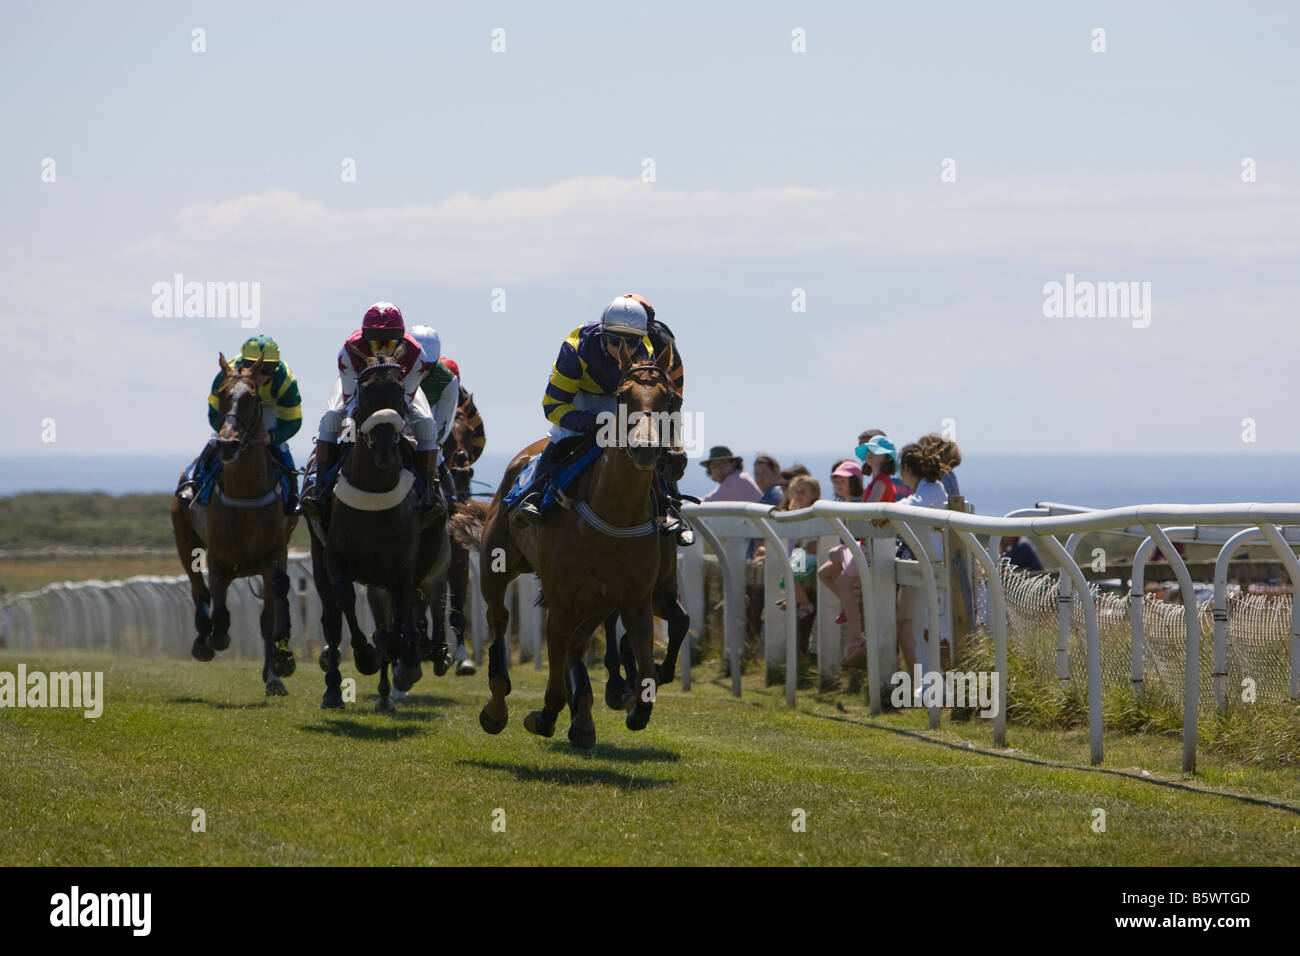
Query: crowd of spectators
[[920, 473]]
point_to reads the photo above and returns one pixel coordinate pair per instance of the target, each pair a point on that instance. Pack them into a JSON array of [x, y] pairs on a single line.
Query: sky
[[914, 179]]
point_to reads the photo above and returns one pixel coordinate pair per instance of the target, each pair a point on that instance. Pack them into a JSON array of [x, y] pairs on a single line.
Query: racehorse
[[374, 537], [458, 451], [600, 556], [242, 531]]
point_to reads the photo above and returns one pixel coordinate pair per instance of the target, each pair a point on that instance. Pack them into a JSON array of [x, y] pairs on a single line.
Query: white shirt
[[929, 494]]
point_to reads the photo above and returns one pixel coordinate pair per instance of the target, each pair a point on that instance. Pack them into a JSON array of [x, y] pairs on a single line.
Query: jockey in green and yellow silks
[[281, 416]]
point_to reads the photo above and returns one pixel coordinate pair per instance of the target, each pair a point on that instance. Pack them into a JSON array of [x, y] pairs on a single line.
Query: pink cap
[[847, 470]]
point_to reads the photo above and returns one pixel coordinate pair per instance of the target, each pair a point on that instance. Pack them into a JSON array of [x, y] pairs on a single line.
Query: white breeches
[[588, 401], [419, 420]]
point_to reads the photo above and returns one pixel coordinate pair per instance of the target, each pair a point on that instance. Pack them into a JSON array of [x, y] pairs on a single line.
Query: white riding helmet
[[625, 316], [430, 343]]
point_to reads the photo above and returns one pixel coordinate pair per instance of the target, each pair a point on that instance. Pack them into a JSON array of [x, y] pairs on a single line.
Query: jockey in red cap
[[381, 326]]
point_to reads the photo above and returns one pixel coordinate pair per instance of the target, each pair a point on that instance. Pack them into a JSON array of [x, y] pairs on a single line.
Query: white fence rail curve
[[728, 527]]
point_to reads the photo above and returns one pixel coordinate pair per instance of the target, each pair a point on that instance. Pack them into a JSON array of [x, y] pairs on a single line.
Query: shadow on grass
[[570, 776], [346, 727], [962, 747], [219, 704], [616, 753]]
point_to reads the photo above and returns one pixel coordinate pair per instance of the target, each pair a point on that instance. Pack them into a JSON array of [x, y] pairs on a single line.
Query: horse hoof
[[584, 737], [365, 660], [404, 677], [219, 642], [275, 688], [490, 724], [200, 651], [536, 723], [333, 700], [637, 718], [662, 676], [283, 664], [384, 705], [466, 669], [614, 694], [441, 659]]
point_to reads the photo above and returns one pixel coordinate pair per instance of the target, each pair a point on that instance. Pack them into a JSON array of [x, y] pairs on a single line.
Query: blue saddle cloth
[[561, 480]]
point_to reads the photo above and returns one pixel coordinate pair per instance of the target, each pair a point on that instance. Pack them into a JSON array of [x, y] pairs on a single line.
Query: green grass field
[[713, 780]]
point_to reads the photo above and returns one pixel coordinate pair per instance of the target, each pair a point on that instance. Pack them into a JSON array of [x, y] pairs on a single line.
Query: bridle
[[248, 432], [367, 434]]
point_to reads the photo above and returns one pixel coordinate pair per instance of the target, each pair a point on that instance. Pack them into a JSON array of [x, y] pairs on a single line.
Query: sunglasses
[[631, 341]]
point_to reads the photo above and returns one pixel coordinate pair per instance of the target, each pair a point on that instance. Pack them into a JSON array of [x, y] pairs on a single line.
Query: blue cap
[[879, 445]]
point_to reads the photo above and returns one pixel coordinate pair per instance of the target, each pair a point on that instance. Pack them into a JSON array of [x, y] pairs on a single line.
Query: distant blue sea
[[995, 484]]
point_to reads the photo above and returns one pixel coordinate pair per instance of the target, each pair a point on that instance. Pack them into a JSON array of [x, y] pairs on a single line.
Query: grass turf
[[713, 780]]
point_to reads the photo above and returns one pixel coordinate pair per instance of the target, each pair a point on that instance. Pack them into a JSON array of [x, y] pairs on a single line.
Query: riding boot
[[188, 489], [310, 502], [448, 488], [673, 522], [432, 506], [529, 510]]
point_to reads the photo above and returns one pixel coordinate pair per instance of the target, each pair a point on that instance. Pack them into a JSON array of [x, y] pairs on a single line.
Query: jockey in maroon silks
[[381, 326]]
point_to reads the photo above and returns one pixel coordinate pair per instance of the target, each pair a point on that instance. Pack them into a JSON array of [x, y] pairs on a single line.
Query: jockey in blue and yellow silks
[[582, 384], [281, 416]]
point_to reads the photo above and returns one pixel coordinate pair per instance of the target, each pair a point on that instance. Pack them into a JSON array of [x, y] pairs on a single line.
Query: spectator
[[846, 480], [733, 483], [1021, 553], [922, 469], [804, 491], [900, 489], [949, 454], [840, 571], [767, 475], [788, 475]]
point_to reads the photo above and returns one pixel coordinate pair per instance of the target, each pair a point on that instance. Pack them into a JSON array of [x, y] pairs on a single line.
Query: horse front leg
[[189, 547], [679, 622], [640, 634], [364, 656], [283, 663], [458, 584], [495, 714], [407, 670], [559, 628], [269, 625], [220, 579], [331, 620], [615, 685]]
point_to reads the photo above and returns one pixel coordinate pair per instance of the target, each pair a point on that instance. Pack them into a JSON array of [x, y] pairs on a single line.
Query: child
[[922, 469]]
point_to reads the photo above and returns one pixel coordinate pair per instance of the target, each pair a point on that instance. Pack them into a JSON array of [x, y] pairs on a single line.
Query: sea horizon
[[993, 483]]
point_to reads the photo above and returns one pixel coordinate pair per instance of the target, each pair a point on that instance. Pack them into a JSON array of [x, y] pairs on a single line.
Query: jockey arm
[[280, 392], [568, 375]]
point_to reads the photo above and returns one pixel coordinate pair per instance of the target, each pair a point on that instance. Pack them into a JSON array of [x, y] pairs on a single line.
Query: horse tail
[[466, 525]]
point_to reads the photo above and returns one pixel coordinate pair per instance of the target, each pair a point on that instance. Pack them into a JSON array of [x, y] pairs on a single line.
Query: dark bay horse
[[600, 557], [374, 537], [459, 452], [242, 531]]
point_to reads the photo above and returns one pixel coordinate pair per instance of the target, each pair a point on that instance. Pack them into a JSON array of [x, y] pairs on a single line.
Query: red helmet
[[383, 315], [455, 369]]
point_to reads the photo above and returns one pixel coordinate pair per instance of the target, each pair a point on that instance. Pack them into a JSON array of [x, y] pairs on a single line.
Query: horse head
[[240, 408], [381, 403], [646, 392]]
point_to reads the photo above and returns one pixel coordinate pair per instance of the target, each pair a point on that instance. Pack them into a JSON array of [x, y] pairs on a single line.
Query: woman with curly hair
[[921, 468], [949, 456]]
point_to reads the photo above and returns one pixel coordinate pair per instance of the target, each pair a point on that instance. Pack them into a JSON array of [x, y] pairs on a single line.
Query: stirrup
[[526, 513]]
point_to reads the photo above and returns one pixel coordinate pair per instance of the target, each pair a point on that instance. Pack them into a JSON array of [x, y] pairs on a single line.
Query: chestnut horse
[[242, 531], [598, 557]]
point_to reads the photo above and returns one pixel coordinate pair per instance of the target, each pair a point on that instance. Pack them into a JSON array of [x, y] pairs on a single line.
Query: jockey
[[281, 416], [441, 389], [477, 437], [582, 385], [381, 325]]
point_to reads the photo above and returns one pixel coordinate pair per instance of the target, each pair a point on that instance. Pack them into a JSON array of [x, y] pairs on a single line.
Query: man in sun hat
[[733, 483]]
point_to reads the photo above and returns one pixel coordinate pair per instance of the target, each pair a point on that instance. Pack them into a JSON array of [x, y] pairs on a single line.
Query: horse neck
[[249, 475], [619, 491]]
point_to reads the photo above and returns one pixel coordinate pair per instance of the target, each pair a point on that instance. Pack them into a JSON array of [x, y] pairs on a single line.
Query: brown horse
[[241, 532], [599, 557], [460, 453]]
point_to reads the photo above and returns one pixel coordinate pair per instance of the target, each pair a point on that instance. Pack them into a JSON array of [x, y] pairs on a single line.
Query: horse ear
[[399, 352], [259, 368], [356, 352], [221, 360], [624, 356], [665, 358]]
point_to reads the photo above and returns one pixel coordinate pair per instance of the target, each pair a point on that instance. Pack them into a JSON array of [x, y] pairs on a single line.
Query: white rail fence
[[154, 614], [728, 528]]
